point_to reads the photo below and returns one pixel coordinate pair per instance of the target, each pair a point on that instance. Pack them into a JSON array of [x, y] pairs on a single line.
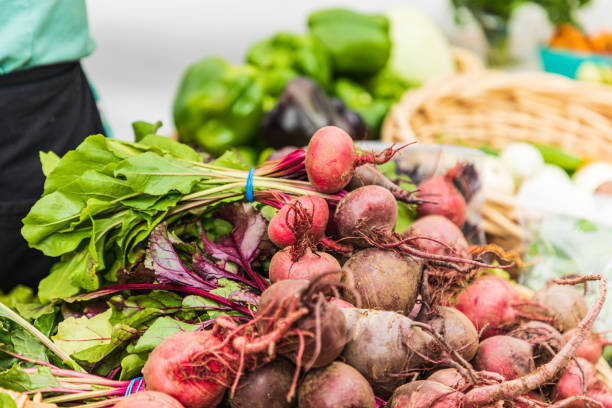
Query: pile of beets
[[360, 316]]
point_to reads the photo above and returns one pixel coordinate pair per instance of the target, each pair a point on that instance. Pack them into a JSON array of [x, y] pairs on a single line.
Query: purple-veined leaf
[[242, 245], [165, 262]]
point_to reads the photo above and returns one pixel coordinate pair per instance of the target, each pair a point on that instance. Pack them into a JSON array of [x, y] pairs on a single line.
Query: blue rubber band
[[140, 384], [128, 391], [249, 186]]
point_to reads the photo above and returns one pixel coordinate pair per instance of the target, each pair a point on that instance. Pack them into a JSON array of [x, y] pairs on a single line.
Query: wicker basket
[[484, 107]]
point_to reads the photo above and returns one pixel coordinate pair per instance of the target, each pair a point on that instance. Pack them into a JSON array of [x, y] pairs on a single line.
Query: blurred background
[[143, 46]]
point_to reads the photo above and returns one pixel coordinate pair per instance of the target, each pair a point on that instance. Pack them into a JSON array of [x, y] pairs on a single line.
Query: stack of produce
[[307, 296], [346, 70]]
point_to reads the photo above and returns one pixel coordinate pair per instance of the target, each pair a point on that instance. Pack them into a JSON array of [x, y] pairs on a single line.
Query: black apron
[[49, 108]]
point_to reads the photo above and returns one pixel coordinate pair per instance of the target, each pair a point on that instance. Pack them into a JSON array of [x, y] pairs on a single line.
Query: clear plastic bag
[[421, 161], [567, 240]]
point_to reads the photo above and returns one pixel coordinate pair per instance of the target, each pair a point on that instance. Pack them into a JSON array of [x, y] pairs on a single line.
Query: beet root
[[299, 217], [449, 377], [165, 370], [265, 387], [330, 159], [505, 355], [581, 375], [566, 304], [457, 330], [368, 175], [383, 345], [384, 280], [318, 337], [591, 348], [147, 399], [447, 200], [488, 302], [308, 266], [369, 207], [336, 386], [445, 238], [510, 389], [430, 394], [547, 341], [366, 217]]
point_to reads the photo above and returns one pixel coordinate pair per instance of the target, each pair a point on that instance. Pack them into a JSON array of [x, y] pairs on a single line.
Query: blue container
[[565, 62]]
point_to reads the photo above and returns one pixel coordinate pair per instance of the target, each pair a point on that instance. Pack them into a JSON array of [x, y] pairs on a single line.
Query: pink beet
[[505, 355], [446, 199], [445, 238], [148, 399], [169, 370], [300, 216], [591, 348], [308, 266], [331, 159], [488, 301]]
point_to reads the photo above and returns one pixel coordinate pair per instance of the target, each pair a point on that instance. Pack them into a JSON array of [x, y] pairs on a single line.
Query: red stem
[[108, 290]]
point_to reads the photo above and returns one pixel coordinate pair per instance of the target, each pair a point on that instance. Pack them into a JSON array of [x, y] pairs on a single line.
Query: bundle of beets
[[410, 318]]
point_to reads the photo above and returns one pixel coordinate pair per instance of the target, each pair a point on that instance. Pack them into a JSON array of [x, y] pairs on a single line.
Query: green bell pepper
[[299, 54], [359, 44], [218, 105]]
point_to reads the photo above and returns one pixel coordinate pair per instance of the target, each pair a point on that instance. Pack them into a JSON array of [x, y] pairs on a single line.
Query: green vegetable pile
[[219, 105]]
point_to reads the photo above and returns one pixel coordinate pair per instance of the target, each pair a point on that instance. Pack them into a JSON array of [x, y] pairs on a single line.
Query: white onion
[[522, 159]]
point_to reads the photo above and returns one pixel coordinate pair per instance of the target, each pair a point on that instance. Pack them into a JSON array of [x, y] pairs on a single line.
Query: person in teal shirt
[[46, 104]]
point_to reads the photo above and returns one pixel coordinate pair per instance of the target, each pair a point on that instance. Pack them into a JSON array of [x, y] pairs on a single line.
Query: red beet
[[336, 386], [169, 370], [382, 345], [324, 327], [447, 200], [450, 239], [488, 301], [367, 208], [421, 394], [449, 377], [341, 303], [591, 348], [384, 280], [572, 381], [367, 216], [331, 159], [300, 216], [546, 340], [457, 330], [265, 387], [566, 304], [309, 266], [505, 355], [148, 399]]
